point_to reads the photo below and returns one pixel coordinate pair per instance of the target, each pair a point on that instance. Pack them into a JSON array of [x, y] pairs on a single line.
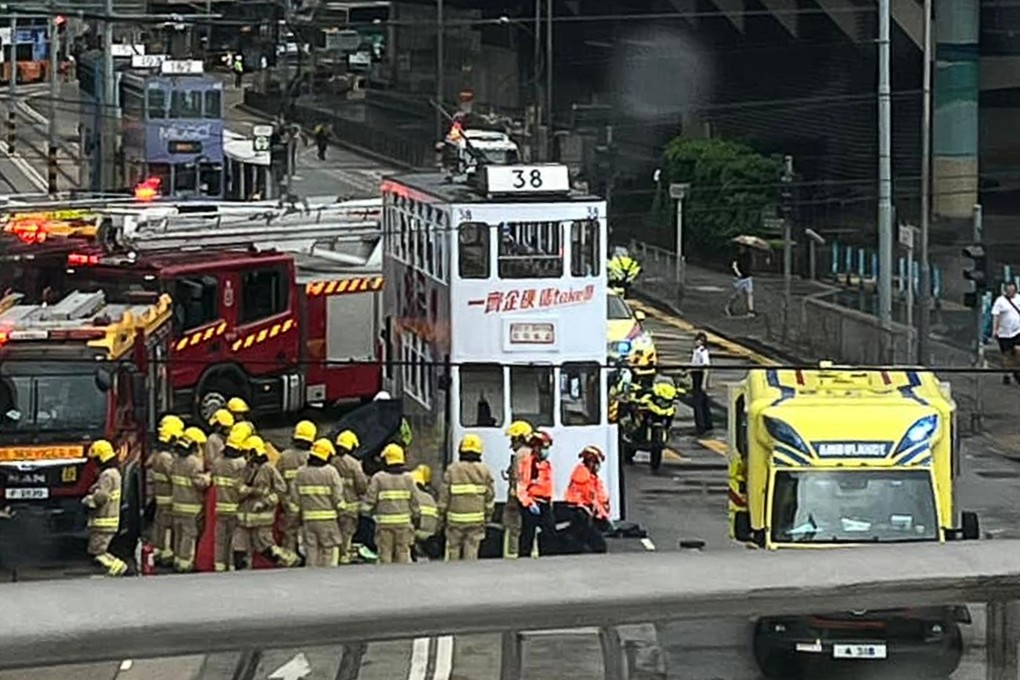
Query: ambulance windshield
[[853, 506]]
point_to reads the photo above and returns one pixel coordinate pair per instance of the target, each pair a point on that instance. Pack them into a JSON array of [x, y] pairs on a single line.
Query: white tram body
[[496, 301]]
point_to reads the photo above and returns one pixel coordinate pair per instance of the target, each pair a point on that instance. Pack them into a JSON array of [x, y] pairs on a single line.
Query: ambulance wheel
[[655, 458]]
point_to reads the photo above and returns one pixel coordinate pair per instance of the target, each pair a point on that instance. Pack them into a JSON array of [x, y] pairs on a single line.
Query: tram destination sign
[[526, 179]]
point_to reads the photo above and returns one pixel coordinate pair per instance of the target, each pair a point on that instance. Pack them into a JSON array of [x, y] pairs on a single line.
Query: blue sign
[[858, 449], [184, 141]]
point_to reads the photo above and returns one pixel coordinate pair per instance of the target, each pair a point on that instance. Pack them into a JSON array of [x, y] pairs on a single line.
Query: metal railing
[[53, 623]]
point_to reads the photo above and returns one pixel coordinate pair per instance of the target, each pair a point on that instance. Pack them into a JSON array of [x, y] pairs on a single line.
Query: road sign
[[907, 236], [126, 50], [262, 133], [677, 191], [147, 60], [773, 223]]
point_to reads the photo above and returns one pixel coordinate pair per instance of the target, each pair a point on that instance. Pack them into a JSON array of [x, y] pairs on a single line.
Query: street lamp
[[677, 192]]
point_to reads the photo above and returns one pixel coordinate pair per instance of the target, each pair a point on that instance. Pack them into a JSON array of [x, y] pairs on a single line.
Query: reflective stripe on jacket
[[159, 465], [317, 492], [587, 491], [105, 493], [227, 477], [391, 499], [260, 491], [355, 482], [468, 494], [189, 483], [534, 479], [428, 522]]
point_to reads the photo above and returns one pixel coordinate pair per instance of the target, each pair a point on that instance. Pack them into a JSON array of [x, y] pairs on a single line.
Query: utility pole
[[548, 77], [787, 180], [980, 284], [12, 115], [537, 76], [440, 67], [108, 141], [924, 315], [51, 165], [885, 235]]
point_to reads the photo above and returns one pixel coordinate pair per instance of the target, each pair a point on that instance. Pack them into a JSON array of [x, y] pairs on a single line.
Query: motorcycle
[[645, 417]]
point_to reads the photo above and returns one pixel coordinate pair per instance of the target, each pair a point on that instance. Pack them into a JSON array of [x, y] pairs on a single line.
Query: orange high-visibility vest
[[534, 480], [587, 491]]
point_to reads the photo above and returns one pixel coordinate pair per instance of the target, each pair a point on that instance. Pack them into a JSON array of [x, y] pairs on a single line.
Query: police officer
[[519, 431], [159, 465], [259, 494], [228, 473], [318, 491], [466, 501], [392, 502], [103, 503], [189, 482], [290, 462], [219, 427], [355, 485]]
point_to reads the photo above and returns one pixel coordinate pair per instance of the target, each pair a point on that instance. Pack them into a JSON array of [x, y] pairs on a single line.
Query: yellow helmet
[[519, 428], [239, 434], [323, 449], [237, 406], [170, 427], [305, 431], [255, 445], [348, 440], [471, 443], [193, 436], [422, 475], [101, 450], [222, 418], [393, 454]]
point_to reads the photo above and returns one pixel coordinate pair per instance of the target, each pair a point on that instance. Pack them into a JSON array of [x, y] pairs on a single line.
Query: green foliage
[[731, 186]]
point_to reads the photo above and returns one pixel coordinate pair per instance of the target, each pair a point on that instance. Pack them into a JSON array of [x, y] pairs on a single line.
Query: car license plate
[[27, 494], [858, 651]]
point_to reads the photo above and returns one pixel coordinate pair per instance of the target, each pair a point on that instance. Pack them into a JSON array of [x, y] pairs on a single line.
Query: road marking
[[419, 659], [126, 665], [444, 658], [715, 446], [647, 542], [670, 454]]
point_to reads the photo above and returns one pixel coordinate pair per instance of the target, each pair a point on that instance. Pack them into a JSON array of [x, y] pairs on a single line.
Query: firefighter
[[589, 503], [219, 426], [428, 523], [290, 462], [519, 431], [228, 473], [239, 408], [318, 492], [392, 502], [259, 493], [189, 482], [535, 491], [159, 464], [103, 503], [466, 501], [355, 485]]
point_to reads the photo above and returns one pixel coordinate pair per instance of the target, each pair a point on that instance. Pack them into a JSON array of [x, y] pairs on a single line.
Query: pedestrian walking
[[290, 462], [588, 500], [519, 432], [466, 501], [318, 491], [1006, 328], [227, 475], [323, 132], [535, 491], [743, 285], [355, 486], [103, 504], [219, 426], [189, 481], [159, 466], [392, 502], [428, 524], [238, 70], [699, 382], [259, 494]]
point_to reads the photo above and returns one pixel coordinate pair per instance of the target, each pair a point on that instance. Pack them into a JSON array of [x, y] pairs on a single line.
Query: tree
[[731, 185]]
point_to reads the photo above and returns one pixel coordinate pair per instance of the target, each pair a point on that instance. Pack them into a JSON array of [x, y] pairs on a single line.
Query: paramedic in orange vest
[[588, 501], [535, 491]]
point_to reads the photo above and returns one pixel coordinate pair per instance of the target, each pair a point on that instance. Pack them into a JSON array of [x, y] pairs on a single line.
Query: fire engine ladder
[[296, 229]]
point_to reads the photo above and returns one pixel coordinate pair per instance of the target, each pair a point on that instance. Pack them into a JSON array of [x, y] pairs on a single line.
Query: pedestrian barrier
[[56, 622]]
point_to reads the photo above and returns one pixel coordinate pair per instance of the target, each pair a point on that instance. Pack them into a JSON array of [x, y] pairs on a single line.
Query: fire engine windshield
[[37, 396], [853, 506]]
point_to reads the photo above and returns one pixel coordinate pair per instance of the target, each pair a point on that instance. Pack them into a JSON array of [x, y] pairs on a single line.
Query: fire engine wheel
[[216, 388]]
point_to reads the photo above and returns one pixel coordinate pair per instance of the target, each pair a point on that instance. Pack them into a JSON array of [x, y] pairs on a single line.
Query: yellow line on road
[[715, 446], [670, 454], [728, 345]]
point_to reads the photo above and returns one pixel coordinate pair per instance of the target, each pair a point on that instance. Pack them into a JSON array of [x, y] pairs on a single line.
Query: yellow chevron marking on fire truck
[[344, 286], [205, 335], [287, 325], [267, 333], [262, 335]]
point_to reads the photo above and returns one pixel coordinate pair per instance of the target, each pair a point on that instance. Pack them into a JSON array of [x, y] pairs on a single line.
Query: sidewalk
[[993, 415]]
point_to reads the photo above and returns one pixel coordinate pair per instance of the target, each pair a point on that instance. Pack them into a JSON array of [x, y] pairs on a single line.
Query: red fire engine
[[70, 373], [277, 305]]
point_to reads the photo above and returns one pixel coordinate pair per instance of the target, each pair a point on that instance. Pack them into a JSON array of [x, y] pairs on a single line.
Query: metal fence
[[55, 623]]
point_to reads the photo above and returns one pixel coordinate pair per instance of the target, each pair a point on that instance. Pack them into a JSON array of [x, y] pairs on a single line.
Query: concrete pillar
[[955, 134]]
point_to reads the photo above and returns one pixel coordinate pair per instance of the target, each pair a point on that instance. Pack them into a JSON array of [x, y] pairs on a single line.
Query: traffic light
[[977, 274]]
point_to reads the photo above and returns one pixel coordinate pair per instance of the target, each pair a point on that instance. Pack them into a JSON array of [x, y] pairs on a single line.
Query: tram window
[[481, 395], [264, 293], [530, 250], [196, 302], [156, 103], [531, 394], [210, 179], [584, 248], [213, 104], [473, 255], [186, 104], [579, 394]]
